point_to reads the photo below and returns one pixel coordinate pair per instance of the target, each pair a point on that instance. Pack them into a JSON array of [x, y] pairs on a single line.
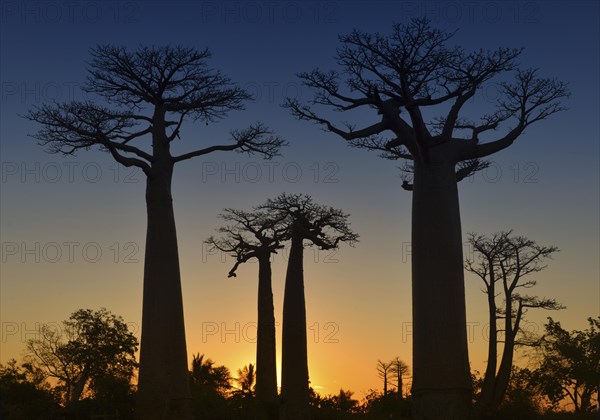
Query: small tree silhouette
[[256, 235], [506, 259], [398, 369], [151, 91], [326, 228], [384, 369]]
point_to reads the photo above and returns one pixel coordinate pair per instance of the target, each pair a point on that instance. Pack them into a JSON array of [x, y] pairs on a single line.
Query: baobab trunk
[[163, 385], [266, 371], [294, 358], [441, 376]]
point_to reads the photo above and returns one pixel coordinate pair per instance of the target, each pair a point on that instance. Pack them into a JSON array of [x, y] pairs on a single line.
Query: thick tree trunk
[[266, 365], [74, 394], [294, 358], [163, 385], [442, 386]]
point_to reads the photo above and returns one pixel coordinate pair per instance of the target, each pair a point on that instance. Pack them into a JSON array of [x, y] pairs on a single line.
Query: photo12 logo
[[268, 12], [25, 331], [69, 12], [269, 172], [69, 252], [238, 332], [69, 172]]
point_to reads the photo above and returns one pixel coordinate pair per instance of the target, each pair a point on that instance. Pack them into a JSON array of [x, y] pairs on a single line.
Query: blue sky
[[545, 186]]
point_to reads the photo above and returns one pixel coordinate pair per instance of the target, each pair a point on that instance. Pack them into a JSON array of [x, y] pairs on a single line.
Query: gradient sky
[[84, 220]]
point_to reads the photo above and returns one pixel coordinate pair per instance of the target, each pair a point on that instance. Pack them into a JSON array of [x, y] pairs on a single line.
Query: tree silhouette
[[398, 368], [506, 259], [384, 370], [344, 402], [25, 392], [150, 92], [256, 235], [90, 347], [401, 76], [206, 376], [570, 365], [326, 228], [246, 379], [210, 386]]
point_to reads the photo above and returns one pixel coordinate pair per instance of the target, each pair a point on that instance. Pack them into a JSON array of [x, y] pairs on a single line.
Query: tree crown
[[149, 91], [401, 74]]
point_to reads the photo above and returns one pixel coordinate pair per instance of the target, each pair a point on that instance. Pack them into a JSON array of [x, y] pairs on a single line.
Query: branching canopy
[[325, 227], [401, 74], [148, 91], [247, 235], [506, 259]]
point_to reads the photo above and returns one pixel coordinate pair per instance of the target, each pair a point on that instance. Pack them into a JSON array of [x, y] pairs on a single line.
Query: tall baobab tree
[[324, 227], [257, 235], [505, 260], [147, 94], [402, 76]]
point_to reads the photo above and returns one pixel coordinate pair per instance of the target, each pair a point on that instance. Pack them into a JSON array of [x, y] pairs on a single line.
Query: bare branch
[[324, 226], [255, 139], [469, 167], [529, 99], [413, 67], [69, 127], [251, 235]]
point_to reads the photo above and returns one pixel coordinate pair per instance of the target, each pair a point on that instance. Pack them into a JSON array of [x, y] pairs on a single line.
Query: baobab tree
[[384, 371], [402, 77], [502, 261], [398, 369], [257, 235], [324, 227], [147, 94]]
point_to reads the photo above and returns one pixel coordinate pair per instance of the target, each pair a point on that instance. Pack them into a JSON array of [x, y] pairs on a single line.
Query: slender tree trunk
[[488, 389], [385, 382], [163, 385], [266, 367], [442, 386], [504, 371], [294, 358]]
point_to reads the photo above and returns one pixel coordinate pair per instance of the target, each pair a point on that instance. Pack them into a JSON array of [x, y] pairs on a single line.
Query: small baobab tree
[[324, 227], [398, 370], [384, 372], [146, 95], [257, 235], [502, 262], [401, 78]]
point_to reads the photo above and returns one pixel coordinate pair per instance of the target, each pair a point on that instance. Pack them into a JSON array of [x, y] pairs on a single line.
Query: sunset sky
[[73, 229]]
